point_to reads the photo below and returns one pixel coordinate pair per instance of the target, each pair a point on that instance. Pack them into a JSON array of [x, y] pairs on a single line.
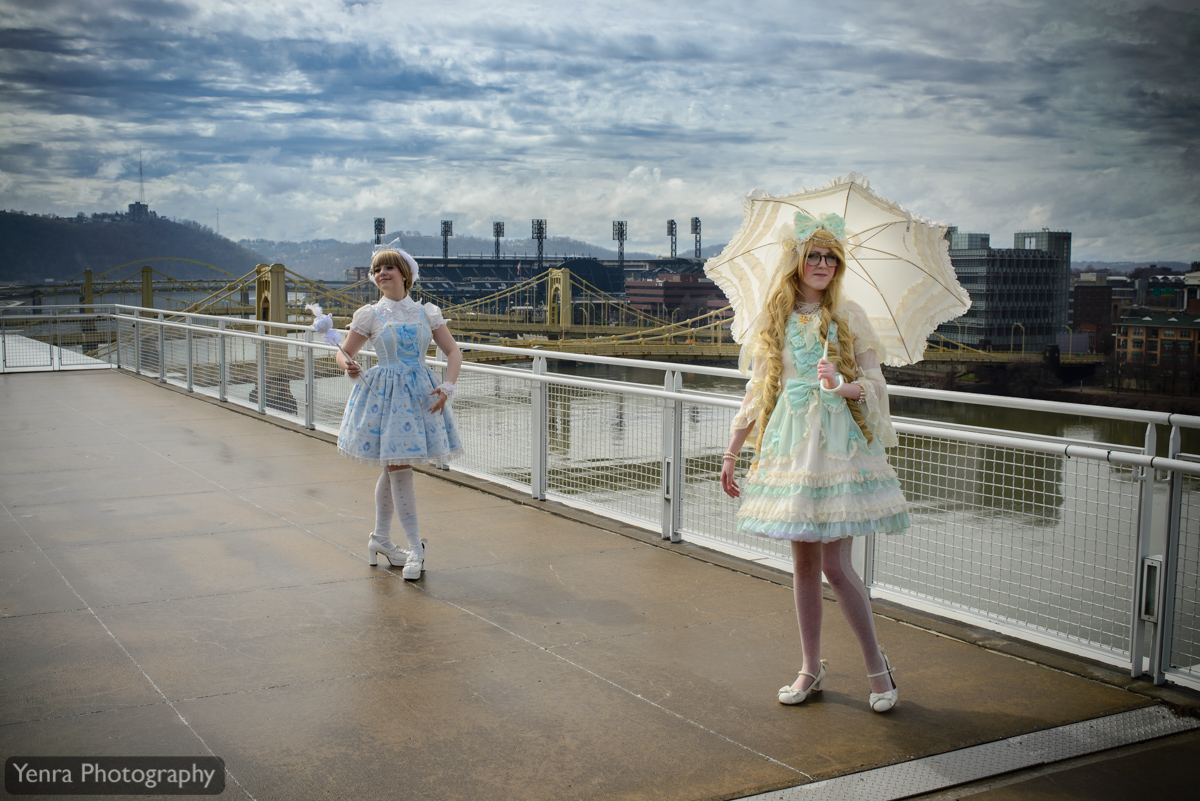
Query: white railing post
[[137, 342], [162, 351], [222, 372], [539, 442], [190, 359], [1164, 603], [116, 333], [260, 348], [55, 333], [867, 564], [1141, 550], [3, 348], [310, 388], [672, 458]]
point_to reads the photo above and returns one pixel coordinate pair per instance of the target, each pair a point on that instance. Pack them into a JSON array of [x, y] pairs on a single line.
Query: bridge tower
[[558, 297], [270, 294], [147, 287]]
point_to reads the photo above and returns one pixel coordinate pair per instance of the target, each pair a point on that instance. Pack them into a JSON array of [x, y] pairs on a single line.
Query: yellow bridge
[[554, 310]]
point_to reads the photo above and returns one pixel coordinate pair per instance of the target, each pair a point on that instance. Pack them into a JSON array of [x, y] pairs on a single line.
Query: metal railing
[[1086, 547]]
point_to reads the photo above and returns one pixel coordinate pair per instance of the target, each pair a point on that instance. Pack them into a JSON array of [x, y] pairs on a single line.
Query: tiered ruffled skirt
[[818, 480], [387, 419]]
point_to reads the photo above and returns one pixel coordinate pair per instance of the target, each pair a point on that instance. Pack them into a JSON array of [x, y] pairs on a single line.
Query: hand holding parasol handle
[[825, 381]]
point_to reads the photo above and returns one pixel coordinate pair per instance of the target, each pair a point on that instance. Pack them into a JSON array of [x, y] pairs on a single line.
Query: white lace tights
[[810, 560], [384, 508], [405, 502]]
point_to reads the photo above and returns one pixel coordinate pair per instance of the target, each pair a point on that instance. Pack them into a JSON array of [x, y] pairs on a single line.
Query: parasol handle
[[825, 357]]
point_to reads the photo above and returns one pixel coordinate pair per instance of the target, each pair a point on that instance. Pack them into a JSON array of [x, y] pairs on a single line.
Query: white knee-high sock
[[384, 507], [405, 501]]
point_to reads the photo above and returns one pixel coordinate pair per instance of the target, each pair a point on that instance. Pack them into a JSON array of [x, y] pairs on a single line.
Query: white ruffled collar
[[404, 310]]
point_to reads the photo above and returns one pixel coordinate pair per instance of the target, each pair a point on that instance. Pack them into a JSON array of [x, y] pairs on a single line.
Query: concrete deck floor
[[177, 578]]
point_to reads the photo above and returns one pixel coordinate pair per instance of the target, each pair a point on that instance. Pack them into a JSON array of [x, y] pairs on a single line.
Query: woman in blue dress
[[398, 414], [821, 475]]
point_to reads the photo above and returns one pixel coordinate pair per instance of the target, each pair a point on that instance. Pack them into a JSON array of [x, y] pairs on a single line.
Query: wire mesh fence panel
[[175, 356], [707, 511], [126, 341], [27, 344], [331, 388], [492, 413], [148, 356], [241, 371], [1034, 540], [605, 450], [1185, 628], [206, 362], [82, 340]]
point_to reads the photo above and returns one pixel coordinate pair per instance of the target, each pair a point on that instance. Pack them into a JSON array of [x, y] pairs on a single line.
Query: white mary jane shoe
[[791, 695], [882, 702], [394, 554], [414, 565]]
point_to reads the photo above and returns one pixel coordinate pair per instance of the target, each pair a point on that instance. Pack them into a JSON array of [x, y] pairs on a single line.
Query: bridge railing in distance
[[1087, 547]]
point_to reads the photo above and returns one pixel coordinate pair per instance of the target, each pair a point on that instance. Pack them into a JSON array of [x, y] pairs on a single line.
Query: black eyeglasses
[[814, 259]]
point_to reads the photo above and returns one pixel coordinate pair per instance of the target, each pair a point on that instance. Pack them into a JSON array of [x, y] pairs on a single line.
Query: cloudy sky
[[304, 119]]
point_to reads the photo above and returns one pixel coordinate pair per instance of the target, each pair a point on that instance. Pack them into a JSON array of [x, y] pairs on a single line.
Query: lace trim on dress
[[405, 310]]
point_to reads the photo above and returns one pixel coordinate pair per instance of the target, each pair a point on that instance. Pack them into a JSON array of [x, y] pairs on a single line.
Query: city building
[[1094, 309], [1156, 350], [1059, 244], [1018, 295], [1191, 288], [673, 291], [1163, 292]]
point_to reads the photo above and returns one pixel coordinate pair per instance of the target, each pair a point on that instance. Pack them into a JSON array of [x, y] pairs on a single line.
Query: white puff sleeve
[[868, 353], [365, 322], [434, 315], [752, 403]]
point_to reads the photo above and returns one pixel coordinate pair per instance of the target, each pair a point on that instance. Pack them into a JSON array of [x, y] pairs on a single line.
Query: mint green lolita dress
[[817, 479]]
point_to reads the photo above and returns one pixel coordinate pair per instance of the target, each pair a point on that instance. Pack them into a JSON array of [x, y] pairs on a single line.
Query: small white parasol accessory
[[323, 325]]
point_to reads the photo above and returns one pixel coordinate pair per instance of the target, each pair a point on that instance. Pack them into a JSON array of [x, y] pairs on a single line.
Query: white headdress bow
[[409, 260]]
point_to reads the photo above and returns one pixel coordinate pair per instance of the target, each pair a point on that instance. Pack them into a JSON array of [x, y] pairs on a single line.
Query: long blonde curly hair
[[770, 338]]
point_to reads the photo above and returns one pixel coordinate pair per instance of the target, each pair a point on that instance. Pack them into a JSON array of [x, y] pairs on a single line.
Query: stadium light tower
[[696, 231], [380, 230], [447, 232], [539, 233], [620, 230], [498, 232], [671, 233]]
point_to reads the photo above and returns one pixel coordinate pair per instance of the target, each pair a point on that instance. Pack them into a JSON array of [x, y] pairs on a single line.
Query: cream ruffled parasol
[[898, 266]]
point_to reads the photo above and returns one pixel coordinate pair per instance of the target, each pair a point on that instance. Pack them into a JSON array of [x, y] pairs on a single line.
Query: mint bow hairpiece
[[806, 226]]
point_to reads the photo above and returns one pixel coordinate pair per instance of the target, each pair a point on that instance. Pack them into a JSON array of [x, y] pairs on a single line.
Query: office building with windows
[[1018, 296]]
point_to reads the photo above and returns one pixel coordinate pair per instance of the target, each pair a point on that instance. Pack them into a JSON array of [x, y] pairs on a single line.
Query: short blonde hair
[[392, 258]]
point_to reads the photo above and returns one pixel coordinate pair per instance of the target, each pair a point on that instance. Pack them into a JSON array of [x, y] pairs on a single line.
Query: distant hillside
[[1127, 266], [34, 248], [329, 258]]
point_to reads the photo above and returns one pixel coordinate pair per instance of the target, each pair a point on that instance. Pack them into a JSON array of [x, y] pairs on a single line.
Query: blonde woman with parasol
[[818, 401], [826, 285], [398, 414]]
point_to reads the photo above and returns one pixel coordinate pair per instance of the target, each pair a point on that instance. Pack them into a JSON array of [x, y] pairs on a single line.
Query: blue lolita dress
[[816, 478], [387, 419]]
